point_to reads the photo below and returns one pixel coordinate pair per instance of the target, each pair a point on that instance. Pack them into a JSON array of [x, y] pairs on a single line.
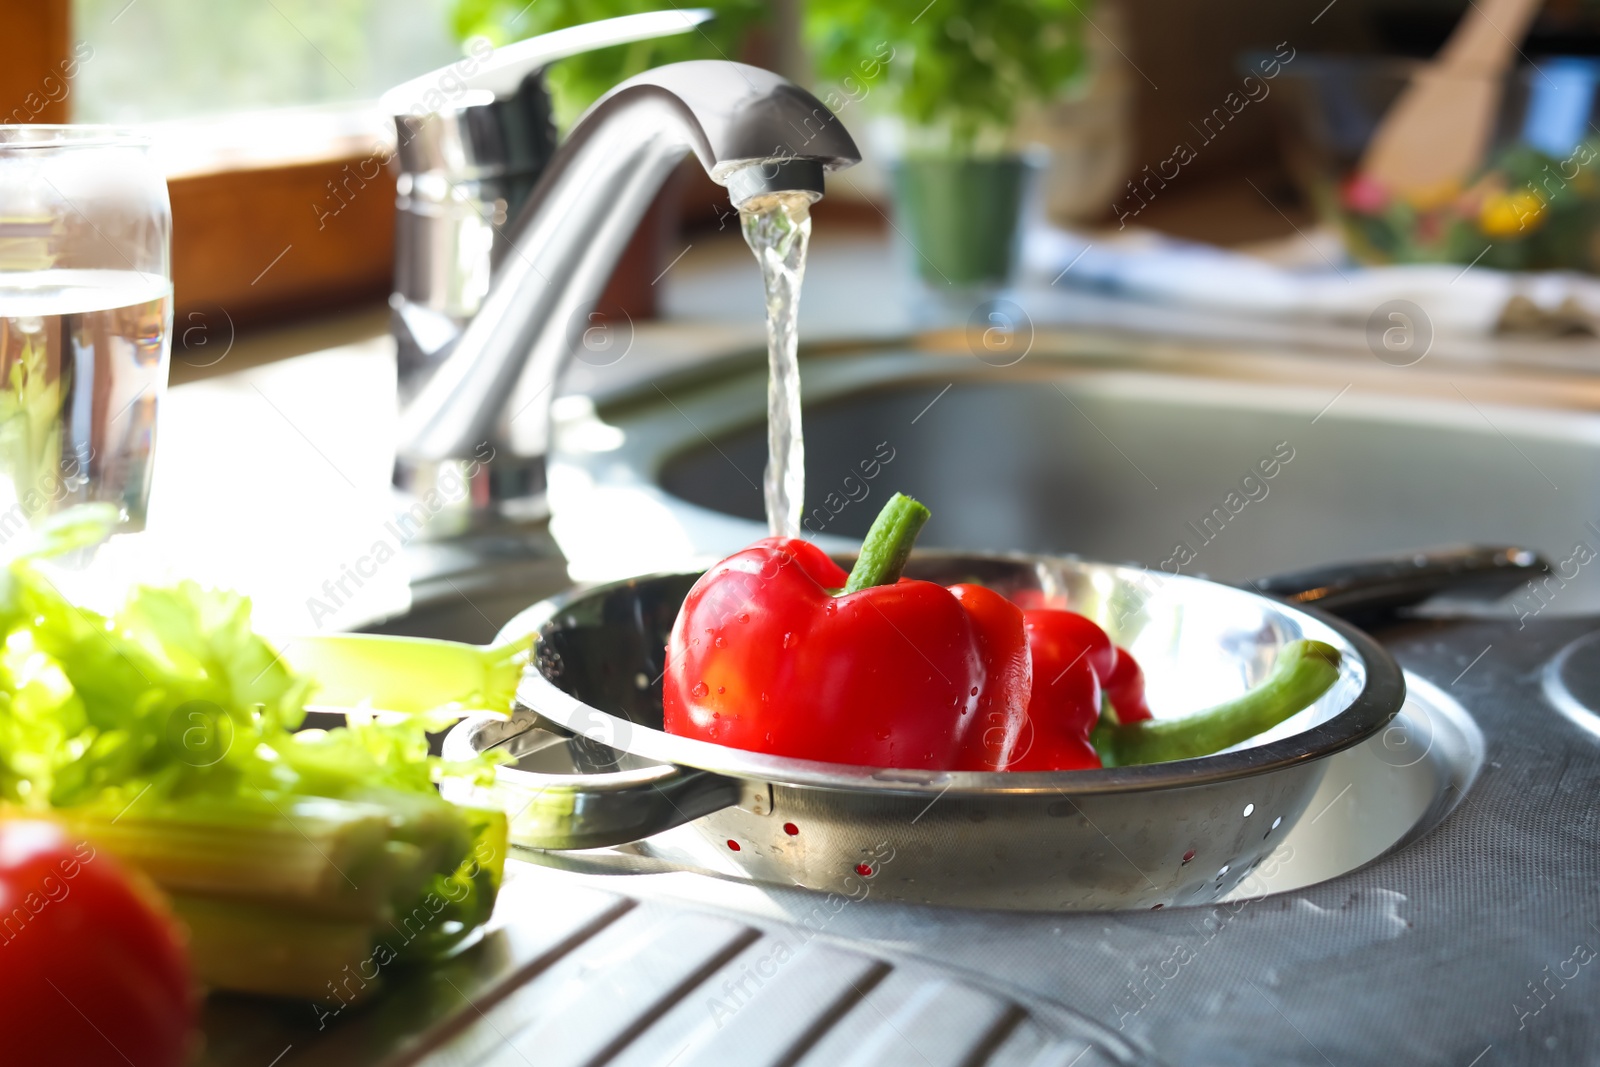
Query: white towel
[[1458, 300]]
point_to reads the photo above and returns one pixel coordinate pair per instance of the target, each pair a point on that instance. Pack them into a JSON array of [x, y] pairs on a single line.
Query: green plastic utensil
[[407, 674]]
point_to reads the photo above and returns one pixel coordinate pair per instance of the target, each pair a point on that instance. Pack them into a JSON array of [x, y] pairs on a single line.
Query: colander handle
[[583, 810], [1374, 587]]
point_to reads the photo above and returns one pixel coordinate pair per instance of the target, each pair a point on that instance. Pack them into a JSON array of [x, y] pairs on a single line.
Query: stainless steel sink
[[1189, 471], [1059, 456]]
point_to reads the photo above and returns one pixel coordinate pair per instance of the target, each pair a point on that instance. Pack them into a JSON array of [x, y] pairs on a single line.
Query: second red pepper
[[1076, 670]]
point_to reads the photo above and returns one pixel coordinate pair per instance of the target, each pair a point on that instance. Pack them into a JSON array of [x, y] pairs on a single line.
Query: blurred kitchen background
[[1233, 124], [1129, 185]]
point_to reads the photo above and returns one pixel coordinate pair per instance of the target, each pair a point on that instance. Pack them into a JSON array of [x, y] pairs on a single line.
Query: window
[[263, 105], [168, 59]]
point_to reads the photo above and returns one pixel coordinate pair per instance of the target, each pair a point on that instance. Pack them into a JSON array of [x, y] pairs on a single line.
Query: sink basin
[[1224, 478]]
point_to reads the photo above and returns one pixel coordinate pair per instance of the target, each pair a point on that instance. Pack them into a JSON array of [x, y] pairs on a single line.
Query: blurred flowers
[[1507, 215], [1526, 210]]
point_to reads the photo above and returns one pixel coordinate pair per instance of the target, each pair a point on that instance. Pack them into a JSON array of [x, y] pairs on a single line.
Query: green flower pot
[[961, 217]]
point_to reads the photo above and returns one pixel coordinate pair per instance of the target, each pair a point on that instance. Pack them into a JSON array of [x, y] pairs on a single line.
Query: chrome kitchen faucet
[[478, 405]]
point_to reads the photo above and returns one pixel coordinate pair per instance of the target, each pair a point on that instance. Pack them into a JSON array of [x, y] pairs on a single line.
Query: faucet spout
[[753, 131]]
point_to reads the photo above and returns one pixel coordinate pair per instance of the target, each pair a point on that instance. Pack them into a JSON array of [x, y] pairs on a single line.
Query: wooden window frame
[[33, 87]]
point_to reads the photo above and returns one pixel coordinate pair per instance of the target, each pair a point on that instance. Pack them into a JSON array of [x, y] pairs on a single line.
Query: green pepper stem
[[888, 544], [1303, 672]]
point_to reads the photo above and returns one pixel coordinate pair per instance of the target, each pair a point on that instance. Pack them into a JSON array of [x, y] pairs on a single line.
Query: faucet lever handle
[[504, 69]]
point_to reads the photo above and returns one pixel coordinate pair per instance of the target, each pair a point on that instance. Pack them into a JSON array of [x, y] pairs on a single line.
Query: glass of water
[[85, 320]]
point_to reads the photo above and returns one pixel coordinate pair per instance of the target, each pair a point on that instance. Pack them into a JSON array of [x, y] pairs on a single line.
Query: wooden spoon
[[1437, 133]]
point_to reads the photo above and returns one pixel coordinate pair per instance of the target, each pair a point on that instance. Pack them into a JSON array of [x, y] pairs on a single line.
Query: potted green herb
[[956, 72]]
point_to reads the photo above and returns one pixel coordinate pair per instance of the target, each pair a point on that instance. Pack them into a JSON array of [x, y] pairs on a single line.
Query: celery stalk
[[326, 856], [256, 948]]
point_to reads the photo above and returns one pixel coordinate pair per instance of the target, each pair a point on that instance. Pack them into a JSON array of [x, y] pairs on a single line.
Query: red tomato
[[92, 967]]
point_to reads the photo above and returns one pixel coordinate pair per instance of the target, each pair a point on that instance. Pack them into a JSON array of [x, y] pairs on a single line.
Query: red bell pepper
[[996, 739], [1071, 657], [1077, 671], [1069, 634], [778, 650], [1125, 689], [1072, 728]]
